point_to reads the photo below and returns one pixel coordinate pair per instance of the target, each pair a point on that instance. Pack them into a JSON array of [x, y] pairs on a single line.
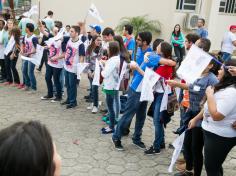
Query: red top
[[165, 71]]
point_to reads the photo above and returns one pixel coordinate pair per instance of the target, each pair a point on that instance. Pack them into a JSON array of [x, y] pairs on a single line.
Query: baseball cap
[[232, 27], [97, 28]]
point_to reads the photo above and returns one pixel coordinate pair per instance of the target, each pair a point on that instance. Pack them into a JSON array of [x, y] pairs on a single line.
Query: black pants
[[216, 150], [179, 53], [52, 72], [44, 59], [3, 69], [11, 71], [193, 145]]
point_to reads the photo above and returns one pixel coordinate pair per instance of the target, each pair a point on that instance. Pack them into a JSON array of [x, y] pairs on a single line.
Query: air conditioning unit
[[190, 21]]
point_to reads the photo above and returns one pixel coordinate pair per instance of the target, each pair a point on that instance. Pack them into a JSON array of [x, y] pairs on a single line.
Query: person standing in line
[[219, 121], [29, 45], [202, 31], [2, 48], [228, 43], [49, 20], [129, 41], [177, 41], [74, 53]]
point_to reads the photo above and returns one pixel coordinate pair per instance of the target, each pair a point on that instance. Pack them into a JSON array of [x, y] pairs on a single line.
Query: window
[[186, 5], [228, 6], [20, 6]]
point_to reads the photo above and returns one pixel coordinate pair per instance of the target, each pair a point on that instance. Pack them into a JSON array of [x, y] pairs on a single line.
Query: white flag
[[10, 46], [33, 11], [96, 78], [93, 11], [178, 144], [80, 69], [149, 80], [37, 57], [194, 64], [164, 100]]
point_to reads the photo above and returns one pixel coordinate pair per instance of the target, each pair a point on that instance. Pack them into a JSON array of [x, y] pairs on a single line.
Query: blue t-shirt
[[202, 32], [198, 88], [154, 60], [130, 46]]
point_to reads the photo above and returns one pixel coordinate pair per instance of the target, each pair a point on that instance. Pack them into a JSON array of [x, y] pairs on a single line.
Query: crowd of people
[[207, 106]]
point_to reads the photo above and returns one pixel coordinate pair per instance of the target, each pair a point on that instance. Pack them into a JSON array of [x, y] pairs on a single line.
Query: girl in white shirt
[[219, 115], [111, 81]]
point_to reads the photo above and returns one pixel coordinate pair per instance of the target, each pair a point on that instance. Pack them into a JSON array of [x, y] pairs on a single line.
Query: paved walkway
[[95, 154]]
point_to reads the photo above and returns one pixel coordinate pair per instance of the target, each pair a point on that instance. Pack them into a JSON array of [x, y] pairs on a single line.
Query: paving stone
[[94, 155]]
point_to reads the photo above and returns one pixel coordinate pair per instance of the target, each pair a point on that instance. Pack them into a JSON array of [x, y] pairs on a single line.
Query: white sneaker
[[94, 110], [90, 107]]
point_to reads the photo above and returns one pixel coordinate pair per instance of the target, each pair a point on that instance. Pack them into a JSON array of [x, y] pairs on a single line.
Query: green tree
[[140, 23]]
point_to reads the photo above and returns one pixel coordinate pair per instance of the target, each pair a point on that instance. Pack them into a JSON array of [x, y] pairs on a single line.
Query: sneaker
[[65, 103], [90, 107], [15, 85], [46, 98], [89, 100], [118, 145], [94, 110], [56, 100], [32, 91], [25, 88], [107, 130], [70, 106], [185, 173], [140, 145], [7, 83], [87, 97], [20, 86], [152, 151]]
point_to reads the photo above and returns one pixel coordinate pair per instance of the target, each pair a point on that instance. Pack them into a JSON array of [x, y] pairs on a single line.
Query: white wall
[[72, 11], [218, 24]]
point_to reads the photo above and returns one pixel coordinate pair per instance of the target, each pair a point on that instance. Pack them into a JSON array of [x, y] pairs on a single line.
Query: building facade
[[219, 14]]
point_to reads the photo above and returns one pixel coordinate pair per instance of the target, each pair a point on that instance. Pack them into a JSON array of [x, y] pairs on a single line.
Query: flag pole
[[39, 9]]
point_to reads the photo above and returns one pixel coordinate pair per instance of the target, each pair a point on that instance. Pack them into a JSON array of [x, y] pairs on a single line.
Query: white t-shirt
[[54, 51], [72, 55], [226, 105], [227, 45], [2, 48], [111, 73]]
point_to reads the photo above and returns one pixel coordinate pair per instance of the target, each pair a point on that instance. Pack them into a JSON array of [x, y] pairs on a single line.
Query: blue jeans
[[225, 56], [159, 129], [28, 74], [117, 105], [62, 79], [71, 85], [133, 106], [95, 95], [52, 72], [110, 100]]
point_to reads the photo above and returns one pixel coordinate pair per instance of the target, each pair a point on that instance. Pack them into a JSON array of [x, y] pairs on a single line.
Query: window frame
[[180, 8], [229, 7]]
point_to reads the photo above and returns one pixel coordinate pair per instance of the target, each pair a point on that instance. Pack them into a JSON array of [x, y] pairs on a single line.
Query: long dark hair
[[228, 79], [166, 50], [15, 32], [114, 49], [93, 46], [123, 51], [26, 149], [178, 33]]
